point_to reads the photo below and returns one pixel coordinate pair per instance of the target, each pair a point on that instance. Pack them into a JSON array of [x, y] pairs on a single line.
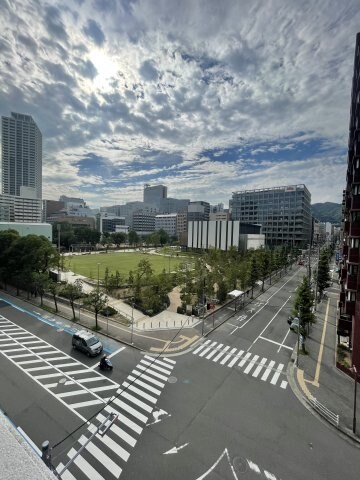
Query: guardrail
[[325, 412]]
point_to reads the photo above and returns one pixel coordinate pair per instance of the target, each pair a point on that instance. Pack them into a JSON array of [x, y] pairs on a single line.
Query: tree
[[303, 305], [253, 274], [41, 282], [133, 237], [323, 275], [7, 238], [264, 265], [73, 291], [118, 238], [53, 288], [97, 300]]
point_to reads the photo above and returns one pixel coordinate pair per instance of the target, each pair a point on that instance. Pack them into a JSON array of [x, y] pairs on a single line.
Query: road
[[224, 410]]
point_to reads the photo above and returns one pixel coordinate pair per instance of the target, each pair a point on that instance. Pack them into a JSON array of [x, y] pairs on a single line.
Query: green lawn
[[87, 265]]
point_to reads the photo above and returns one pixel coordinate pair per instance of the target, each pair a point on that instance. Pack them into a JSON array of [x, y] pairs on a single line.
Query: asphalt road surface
[[224, 410]]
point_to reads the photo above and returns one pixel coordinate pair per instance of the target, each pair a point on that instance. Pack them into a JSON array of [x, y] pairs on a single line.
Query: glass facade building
[[283, 212]]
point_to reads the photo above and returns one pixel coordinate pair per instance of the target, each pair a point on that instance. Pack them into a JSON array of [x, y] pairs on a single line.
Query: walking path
[[323, 386]]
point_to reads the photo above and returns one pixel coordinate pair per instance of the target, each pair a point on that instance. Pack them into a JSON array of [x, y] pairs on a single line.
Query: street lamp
[[354, 415], [98, 276], [132, 322]]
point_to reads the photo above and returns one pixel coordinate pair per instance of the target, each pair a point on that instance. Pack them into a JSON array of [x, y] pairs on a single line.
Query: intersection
[[223, 409]]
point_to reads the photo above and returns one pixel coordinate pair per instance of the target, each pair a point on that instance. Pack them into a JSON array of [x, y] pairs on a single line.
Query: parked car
[[300, 262], [87, 342]]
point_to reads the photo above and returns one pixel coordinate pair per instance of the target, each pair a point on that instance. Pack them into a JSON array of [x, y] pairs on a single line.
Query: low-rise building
[[224, 235]]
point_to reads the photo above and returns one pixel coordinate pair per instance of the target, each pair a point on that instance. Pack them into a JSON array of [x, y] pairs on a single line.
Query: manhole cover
[[172, 379], [62, 380], [239, 464], [60, 330]]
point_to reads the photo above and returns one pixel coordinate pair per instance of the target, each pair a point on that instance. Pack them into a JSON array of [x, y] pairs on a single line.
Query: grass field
[[87, 265]]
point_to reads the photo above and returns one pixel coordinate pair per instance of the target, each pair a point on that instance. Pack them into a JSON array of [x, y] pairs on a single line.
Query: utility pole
[[309, 263], [132, 322], [298, 343], [316, 279]]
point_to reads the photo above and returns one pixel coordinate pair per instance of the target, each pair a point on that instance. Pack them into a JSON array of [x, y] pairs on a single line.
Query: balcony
[[345, 250], [346, 226], [354, 229], [350, 307], [348, 202], [342, 297], [351, 283], [353, 256]]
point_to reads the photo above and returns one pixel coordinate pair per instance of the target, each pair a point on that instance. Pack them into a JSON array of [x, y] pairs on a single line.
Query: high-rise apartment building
[[349, 304], [153, 194], [283, 212], [21, 156]]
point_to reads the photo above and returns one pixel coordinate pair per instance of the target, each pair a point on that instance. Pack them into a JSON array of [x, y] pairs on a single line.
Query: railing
[[325, 412]]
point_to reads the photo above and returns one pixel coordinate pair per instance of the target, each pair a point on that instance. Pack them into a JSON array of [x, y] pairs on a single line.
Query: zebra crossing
[[84, 391], [250, 364]]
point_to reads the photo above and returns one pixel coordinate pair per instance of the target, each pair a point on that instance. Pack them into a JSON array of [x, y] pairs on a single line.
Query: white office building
[[21, 154], [167, 222]]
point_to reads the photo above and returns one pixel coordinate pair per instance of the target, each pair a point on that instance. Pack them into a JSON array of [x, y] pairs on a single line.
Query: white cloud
[[183, 78]]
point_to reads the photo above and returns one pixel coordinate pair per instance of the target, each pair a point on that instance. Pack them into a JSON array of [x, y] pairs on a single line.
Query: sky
[[207, 97]]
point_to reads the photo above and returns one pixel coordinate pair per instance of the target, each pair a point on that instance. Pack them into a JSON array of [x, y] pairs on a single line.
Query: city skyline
[[205, 100]]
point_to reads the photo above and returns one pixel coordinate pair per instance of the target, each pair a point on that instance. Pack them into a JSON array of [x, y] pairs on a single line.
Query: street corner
[[176, 346], [303, 384]]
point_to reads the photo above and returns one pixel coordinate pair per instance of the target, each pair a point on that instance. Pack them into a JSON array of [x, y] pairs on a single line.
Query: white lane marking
[[155, 360], [276, 343], [139, 392], [235, 359], [22, 355], [152, 372], [283, 384], [119, 432], [195, 352], [128, 409], [267, 301], [136, 401], [101, 457], [66, 475], [245, 359], [62, 365], [75, 372], [224, 360], [72, 393], [259, 367], [215, 350], [40, 348], [144, 385], [83, 404], [101, 389], [116, 352], [207, 349], [219, 355], [149, 379], [277, 374], [90, 379], [282, 343], [53, 359], [268, 370], [121, 452], [126, 421], [270, 321], [167, 359], [45, 353], [48, 375], [251, 364], [155, 367], [48, 367], [13, 349], [86, 468], [27, 362], [50, 385]]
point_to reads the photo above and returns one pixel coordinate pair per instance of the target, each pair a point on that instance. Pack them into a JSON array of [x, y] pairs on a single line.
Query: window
[[356, 190], [351, 296], [355, 243], [353, 269]]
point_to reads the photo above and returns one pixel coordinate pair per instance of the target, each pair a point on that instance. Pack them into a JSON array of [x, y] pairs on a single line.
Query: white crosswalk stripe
[[84, 390], [246, 361]]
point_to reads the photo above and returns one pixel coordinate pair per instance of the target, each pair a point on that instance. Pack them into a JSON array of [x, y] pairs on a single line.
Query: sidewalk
[[328, 390]]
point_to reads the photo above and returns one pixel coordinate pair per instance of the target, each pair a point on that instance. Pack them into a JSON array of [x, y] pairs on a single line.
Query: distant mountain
[[327, 212]]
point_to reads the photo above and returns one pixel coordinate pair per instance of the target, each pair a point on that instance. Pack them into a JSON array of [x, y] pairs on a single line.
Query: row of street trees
[[215, 273]]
